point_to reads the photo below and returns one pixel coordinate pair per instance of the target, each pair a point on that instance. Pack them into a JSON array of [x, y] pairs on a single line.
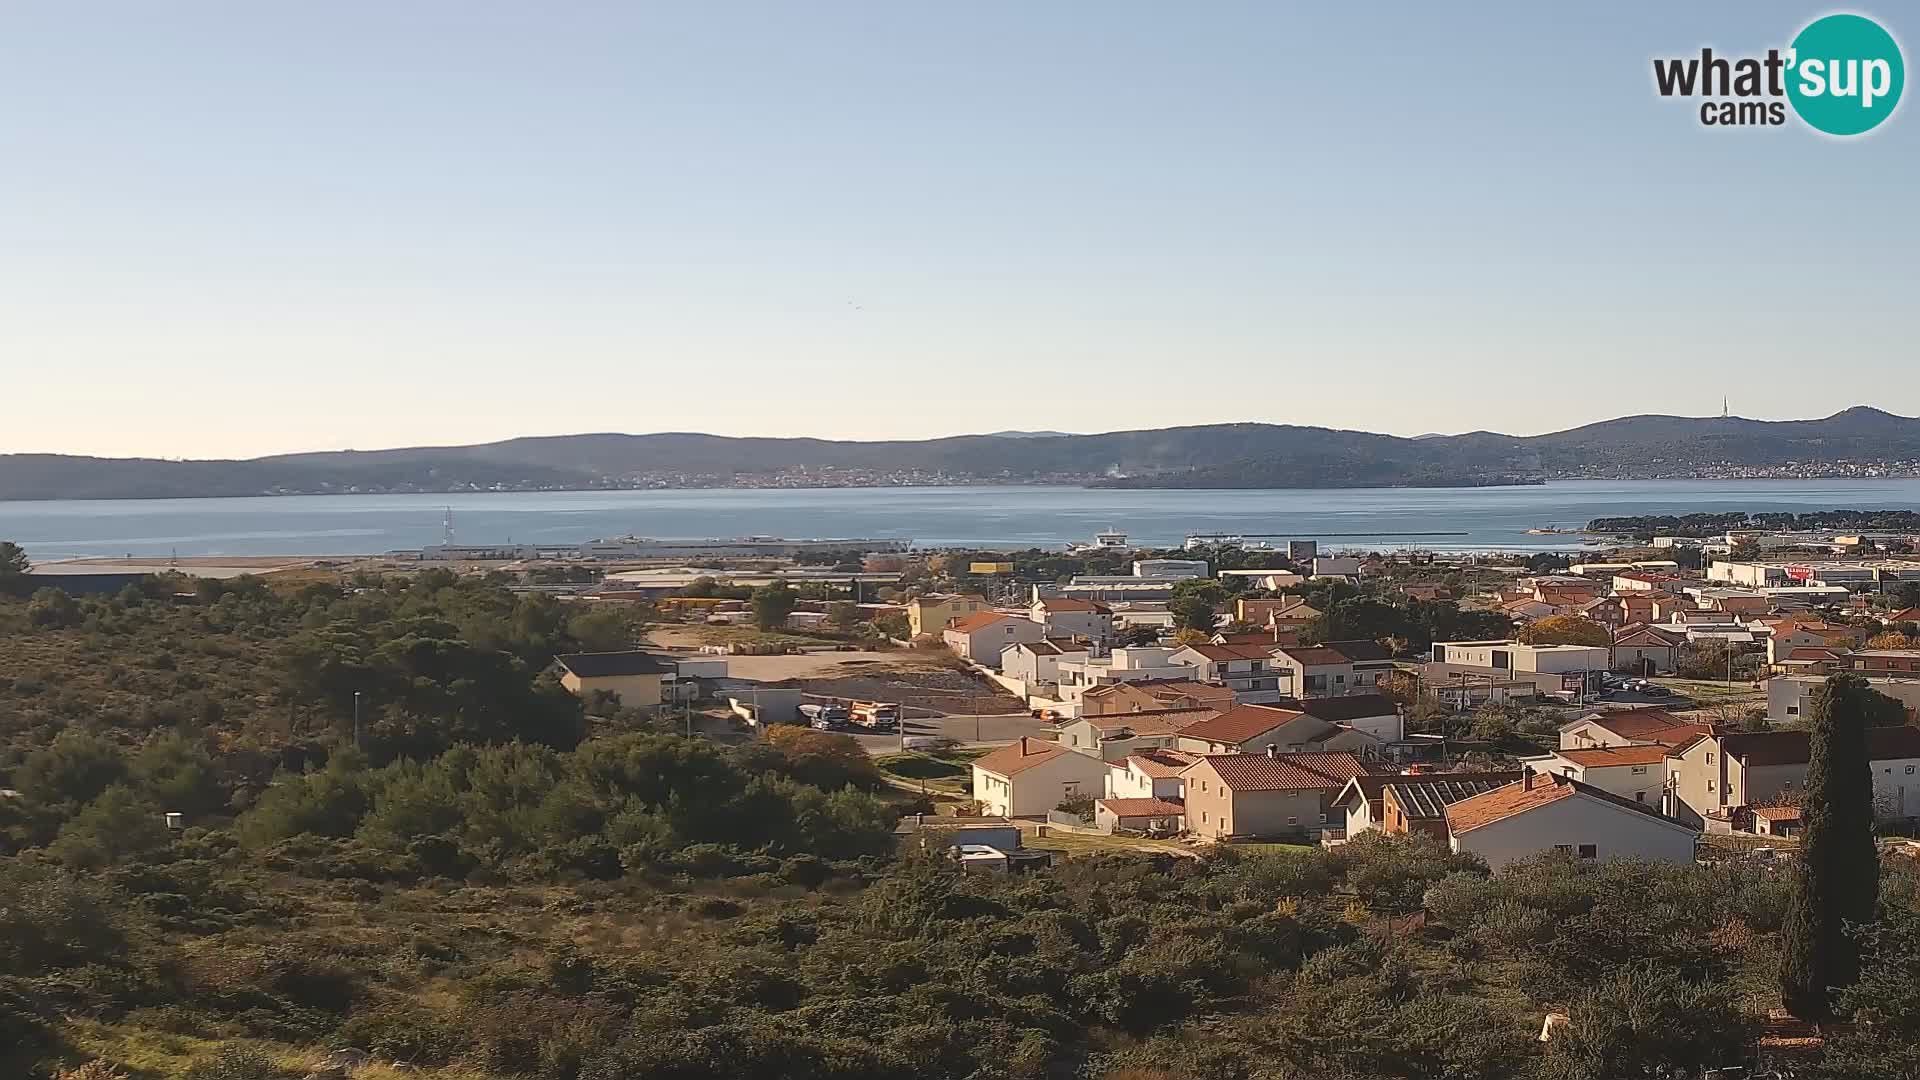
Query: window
[[1564, 849], [1589, 851], [1203, 817], [1709, 785], [1639, 770], [1640, 796], [1323, 819], [1709, 757], [1909, 770], [1293, 821]]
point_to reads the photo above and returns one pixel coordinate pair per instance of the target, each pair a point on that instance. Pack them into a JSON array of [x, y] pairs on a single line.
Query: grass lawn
[[1706, 692], [946, 771]]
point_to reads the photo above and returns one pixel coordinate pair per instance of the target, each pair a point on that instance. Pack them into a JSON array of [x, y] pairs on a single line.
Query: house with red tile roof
[[1631, 772], [1253, 729], [1558, 813], [984, 635], [1270, 794], [1140, 815], [1114, 737], [1628, 727], [1148, 774], [1719, 772], [1071, 617], [1032, 776]]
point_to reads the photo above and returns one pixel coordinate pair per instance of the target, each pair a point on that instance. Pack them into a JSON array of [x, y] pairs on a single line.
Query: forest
[[486, 878]]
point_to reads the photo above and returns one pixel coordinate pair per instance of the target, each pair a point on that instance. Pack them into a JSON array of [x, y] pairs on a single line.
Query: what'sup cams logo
[[1842, 76]]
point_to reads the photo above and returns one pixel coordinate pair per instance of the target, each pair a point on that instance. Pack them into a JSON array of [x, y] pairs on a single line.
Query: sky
[[232, 228]]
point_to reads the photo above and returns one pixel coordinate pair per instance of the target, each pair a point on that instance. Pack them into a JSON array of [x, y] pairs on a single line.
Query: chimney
[[1526, 778], [1273, 751]]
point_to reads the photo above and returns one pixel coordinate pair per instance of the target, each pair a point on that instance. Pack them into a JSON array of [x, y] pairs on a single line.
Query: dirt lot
[[923, 681]]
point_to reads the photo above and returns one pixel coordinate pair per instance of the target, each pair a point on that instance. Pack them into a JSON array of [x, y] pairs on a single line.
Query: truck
[[828, 717], [878, 715]]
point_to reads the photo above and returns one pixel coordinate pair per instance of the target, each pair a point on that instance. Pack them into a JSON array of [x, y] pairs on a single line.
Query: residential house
[[1149, 774], [1068, 617], [1129, 664], [1247, 729], [1424, 590], [1542, 812], [1777, 820], [1805, 661], [1571, 669], [1152, 695], [1629, 727], [1717, 772], [1374, 714], [1791, 634], [1372, 663], [982, 637], [1872, 662], [1030, 777], [1531, 609], [1418, 804], [1281, 613], [1148, 815], [1646, 581], [1646, 650], [928, 615], [1363, 799], [1247, 670], [1265, 794], [633, 678], [1037, 663], [1790, 697], [1113, 738], [1318, 671], [1633, 772]]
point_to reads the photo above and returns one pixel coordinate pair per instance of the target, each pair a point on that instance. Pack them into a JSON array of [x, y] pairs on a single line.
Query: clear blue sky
[[240, 228]]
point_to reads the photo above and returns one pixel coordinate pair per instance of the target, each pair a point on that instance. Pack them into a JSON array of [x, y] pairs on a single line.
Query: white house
[[983, 636], [1130, 664], [1557, 813], [1037, 663], [1030, 777], [1248, 670], [1149, 774], [1631, 772], [1067, 617]]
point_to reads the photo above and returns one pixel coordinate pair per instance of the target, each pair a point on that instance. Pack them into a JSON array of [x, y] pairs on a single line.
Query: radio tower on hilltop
[[1723, 407]]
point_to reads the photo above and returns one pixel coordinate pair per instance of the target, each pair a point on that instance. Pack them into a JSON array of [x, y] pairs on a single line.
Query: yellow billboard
[[990, 568]]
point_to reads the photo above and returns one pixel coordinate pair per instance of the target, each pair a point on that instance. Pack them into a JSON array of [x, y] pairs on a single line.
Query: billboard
[[1800, 573], [990, 568]]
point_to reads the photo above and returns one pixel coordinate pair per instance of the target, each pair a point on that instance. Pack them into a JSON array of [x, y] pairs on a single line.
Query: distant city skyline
[[230, 230]]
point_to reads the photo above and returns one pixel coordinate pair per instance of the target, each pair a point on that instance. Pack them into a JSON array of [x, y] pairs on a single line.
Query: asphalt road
[[990, 730]]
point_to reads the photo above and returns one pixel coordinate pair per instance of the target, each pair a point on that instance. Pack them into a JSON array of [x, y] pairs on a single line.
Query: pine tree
[[1838, 879]]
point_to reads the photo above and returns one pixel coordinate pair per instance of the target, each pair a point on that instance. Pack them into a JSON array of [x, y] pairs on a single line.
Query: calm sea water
[[1476, 518]]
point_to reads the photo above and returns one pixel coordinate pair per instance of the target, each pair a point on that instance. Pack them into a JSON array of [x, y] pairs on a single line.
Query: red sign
[[1800, 573]]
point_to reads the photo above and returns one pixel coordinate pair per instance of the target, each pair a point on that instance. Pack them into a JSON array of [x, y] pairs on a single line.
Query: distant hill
[[1207, 456]]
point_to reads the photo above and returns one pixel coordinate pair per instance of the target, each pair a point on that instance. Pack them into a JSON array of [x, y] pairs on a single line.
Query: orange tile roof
[[1152, 721], [1233, 652], [1285, 772], [979, 620], [1604, 757], [1015, 758], [1529, 793], [1069, 603], [1242, 722], [1161, 764], [1777, 813], [1503, 802], [1317, 656]]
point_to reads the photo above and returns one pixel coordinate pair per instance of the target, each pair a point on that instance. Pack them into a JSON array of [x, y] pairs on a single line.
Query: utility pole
[[356, 719]]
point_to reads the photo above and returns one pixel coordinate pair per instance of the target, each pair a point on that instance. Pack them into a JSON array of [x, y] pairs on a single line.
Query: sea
[[1435, 519]]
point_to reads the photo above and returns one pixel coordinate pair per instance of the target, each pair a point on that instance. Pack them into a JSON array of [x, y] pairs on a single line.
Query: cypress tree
[[1838, 878]]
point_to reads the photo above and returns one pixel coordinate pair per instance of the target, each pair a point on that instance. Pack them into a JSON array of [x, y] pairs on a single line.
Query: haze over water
[[1475, 518]]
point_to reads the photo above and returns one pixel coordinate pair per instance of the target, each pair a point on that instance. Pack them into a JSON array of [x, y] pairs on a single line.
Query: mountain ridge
[[1227, 455]]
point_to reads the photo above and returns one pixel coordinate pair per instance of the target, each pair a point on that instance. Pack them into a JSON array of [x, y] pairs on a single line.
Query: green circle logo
[[1845, 74]]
